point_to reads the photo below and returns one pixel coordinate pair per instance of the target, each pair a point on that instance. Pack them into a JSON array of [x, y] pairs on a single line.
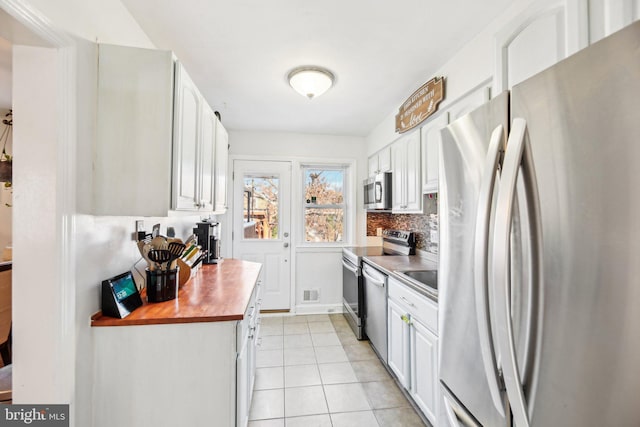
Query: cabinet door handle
[[405, 318]]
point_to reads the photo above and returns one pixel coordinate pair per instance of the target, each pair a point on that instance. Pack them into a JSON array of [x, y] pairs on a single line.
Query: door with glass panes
[[261, 225]]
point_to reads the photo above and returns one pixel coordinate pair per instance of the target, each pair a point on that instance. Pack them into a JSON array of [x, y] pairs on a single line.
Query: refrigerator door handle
[[518, 154], [481, 259], [456, 414], [451, 415]]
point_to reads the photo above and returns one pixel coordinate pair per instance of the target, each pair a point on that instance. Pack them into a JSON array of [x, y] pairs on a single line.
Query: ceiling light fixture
[[310, 81]]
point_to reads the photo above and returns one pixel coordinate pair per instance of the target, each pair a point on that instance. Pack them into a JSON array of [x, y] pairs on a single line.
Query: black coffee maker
[[208, 234]]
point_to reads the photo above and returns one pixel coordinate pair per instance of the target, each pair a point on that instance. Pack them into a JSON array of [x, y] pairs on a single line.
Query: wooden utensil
[[184, 273], [160, 243], [144, 249]]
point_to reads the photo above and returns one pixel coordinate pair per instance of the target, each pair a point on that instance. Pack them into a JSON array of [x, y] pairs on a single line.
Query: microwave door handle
[[513, 161], [481, 282], [378, 192]]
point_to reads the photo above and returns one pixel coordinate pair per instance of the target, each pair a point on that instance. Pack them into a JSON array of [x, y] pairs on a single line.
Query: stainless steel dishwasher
[[375, 295]]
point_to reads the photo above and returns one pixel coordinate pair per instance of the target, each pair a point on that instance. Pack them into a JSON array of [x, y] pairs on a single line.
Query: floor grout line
[[322, 384]]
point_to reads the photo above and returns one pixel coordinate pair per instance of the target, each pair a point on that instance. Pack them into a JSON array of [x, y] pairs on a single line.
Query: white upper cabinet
[[186, 146], [207, 158], [200, 151], [542, 35], [132, 154], [384, 160], [222, 162], [380, 162], [373, 165], [155, 149], [430, 152], [469, 102], [608, 16], [407, 179]]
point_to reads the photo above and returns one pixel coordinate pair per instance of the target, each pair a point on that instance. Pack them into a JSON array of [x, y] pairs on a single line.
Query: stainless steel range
[[394, 242]]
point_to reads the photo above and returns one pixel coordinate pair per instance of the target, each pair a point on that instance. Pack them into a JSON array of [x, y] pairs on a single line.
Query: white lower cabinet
[[398, 337], [424, 369], [248, 331], [178, 374], [413, 346]]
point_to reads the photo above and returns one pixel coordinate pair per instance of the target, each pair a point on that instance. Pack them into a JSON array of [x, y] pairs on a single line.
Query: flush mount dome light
[[310, 81]]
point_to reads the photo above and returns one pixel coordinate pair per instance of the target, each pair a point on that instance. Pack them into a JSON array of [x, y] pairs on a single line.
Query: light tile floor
[[313, 372]]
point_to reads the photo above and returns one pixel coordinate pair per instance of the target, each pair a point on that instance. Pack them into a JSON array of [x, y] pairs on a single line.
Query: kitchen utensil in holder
[[162, 285]]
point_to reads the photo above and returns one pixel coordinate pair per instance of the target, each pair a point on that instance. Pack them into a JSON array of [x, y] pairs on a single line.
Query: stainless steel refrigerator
[[540, 248]]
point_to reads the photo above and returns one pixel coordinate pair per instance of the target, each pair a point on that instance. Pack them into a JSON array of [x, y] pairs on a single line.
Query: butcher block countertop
[[217, 292]]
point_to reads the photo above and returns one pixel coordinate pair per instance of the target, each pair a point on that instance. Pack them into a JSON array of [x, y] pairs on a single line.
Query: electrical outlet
[[139, 233]]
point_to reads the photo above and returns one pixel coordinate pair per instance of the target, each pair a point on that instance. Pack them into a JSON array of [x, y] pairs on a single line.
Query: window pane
[[327, 186], [260, 211], [324, 225]]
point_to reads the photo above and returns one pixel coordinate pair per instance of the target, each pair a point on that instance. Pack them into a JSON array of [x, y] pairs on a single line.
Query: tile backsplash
[[425, 225]]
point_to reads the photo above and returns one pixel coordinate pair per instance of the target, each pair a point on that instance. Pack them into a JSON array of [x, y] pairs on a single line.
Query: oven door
[[353, 297]]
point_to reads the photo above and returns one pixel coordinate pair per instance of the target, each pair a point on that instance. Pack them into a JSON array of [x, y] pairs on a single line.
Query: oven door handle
[[351, 268]]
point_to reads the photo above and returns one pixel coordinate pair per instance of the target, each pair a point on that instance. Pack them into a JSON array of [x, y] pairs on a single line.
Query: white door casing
[[273, 252]]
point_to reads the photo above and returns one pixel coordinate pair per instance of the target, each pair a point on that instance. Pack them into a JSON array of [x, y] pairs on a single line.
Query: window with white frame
[[324, 199]]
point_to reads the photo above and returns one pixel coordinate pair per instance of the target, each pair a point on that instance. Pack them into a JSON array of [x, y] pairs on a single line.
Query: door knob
[[286, 234], [286, 245]]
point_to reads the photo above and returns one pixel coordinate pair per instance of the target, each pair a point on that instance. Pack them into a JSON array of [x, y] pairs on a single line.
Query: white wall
[[103, 21], [49, 366], [475, 63], [5, 73], [320, 268], [468, 68], [5, 195]]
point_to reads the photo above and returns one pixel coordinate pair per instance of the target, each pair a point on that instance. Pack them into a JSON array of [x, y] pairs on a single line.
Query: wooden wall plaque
[[420, 105]]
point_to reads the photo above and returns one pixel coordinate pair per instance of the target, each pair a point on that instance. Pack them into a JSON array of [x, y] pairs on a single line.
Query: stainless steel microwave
[[377, 192]]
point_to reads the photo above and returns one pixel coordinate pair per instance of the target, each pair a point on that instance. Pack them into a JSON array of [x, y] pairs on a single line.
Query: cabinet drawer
[[416, 305]]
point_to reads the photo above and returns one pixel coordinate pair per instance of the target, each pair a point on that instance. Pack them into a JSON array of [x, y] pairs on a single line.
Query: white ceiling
[[238, 52]]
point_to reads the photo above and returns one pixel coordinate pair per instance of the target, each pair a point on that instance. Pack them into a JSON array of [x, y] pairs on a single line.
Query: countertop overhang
[[217, 292]]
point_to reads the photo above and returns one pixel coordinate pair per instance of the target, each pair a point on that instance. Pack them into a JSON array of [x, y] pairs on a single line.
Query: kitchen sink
[[427, 278]]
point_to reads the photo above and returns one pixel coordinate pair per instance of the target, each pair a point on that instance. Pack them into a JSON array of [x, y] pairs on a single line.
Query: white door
[[261, 225]]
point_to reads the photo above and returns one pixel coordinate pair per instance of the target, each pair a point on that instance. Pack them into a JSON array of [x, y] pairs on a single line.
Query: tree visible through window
[[324, 204], [261, 220]]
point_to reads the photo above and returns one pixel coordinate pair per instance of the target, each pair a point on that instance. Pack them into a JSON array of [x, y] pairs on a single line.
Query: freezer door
[[464, 149], [582, 122]]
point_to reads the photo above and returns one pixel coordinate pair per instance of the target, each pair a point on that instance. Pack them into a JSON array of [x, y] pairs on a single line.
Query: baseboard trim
[[319, 309]]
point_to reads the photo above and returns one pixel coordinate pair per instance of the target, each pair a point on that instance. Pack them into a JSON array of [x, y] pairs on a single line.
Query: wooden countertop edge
[[98, 320]]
